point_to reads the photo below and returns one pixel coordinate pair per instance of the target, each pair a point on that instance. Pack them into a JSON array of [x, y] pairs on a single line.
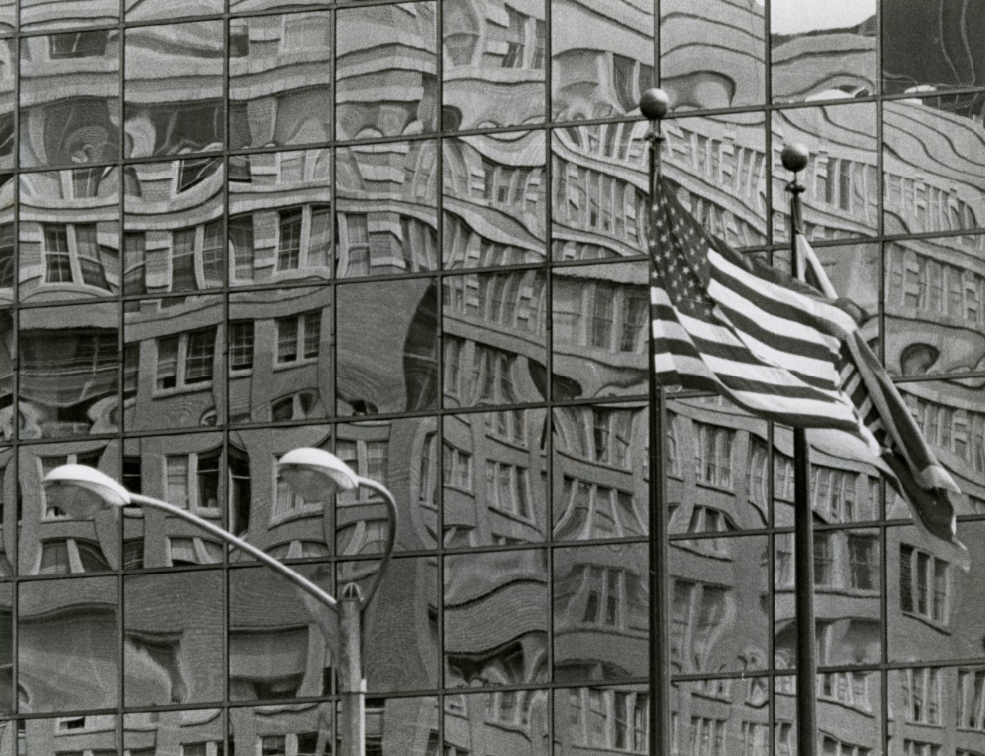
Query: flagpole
[[795, 158], [654, 105]]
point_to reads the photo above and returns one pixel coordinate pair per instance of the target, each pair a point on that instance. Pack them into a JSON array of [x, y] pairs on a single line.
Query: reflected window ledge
[[193, 388]]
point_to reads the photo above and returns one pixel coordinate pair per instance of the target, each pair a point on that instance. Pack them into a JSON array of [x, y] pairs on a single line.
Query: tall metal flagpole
[[654, 105], [794, 158]]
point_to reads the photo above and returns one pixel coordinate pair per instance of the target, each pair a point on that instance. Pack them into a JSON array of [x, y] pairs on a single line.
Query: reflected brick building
[[412, 234]]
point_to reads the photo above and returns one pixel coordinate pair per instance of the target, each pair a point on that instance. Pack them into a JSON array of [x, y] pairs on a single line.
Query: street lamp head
[[81, 491], [315, 473]]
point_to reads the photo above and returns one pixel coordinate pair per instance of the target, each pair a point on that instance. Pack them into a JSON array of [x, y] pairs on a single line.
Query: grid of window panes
[[412, 234]]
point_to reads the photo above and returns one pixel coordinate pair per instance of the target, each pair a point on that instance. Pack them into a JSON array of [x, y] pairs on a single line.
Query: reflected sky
[[798, 17]]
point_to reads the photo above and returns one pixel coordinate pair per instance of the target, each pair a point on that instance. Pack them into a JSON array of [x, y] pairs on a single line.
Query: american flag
[[780, 350]]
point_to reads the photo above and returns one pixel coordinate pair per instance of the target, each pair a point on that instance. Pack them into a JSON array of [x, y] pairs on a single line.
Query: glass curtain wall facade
[[411, 234]]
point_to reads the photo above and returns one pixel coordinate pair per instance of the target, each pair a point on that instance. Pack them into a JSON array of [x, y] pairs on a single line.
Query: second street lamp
[[81, 491]]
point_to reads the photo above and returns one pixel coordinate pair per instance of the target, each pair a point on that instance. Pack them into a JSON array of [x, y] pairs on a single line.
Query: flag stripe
[[795, 307]]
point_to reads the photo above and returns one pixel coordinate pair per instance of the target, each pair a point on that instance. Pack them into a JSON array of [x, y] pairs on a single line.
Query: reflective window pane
[[264, 110], [282, 641], [601, 613], [933, 181], [719, 607], [509, 721], [69, 361], [387, 343], [386, 70], [935, 605], [600, 463], [280, 217], [950, 418], [69, 246], [713, 57], [53, 540], [925, 45], [719, 163], [172, 638], [970, 697], [853, 270], [923, 696], [8, 83], [849, 709], [95, 733], [717, 461], [842, 489], [602, 719], [846, 564], [263, 508], [141, 10], [933, 289], [173, 89], [403, 615], [494, 62], [7, 657], [401, 456], [841, 181], [387, 209], [173, 371], [496, 618], [599, 213], [11, 515], [7, 413], [246, 6], [305, 729], [821, 51], [188, 472], [62, 14], [173, 237], [494, 478], [494, 200], [600, 330], [602, 58], [191, 731], [65, 118], [280, 359], [493, 342], [67, 650]]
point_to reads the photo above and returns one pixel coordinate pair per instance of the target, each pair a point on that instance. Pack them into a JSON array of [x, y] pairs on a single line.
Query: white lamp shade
[[314, 474], [81, 491]]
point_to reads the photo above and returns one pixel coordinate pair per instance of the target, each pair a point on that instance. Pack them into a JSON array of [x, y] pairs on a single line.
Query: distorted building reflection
[[276, 235]]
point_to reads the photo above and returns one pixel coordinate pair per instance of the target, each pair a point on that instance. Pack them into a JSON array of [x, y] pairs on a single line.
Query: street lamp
[[81, 491], [311, 474]]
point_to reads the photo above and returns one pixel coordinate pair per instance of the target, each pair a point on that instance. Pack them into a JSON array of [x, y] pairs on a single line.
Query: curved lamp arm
[[299, 580], [391, 512]]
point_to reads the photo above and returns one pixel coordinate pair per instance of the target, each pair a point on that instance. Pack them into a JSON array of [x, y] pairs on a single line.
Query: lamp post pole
[[352, 726]]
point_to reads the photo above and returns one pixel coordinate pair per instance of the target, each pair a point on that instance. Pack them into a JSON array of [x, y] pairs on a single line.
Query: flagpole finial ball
[[654, 104], [795, 157]]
